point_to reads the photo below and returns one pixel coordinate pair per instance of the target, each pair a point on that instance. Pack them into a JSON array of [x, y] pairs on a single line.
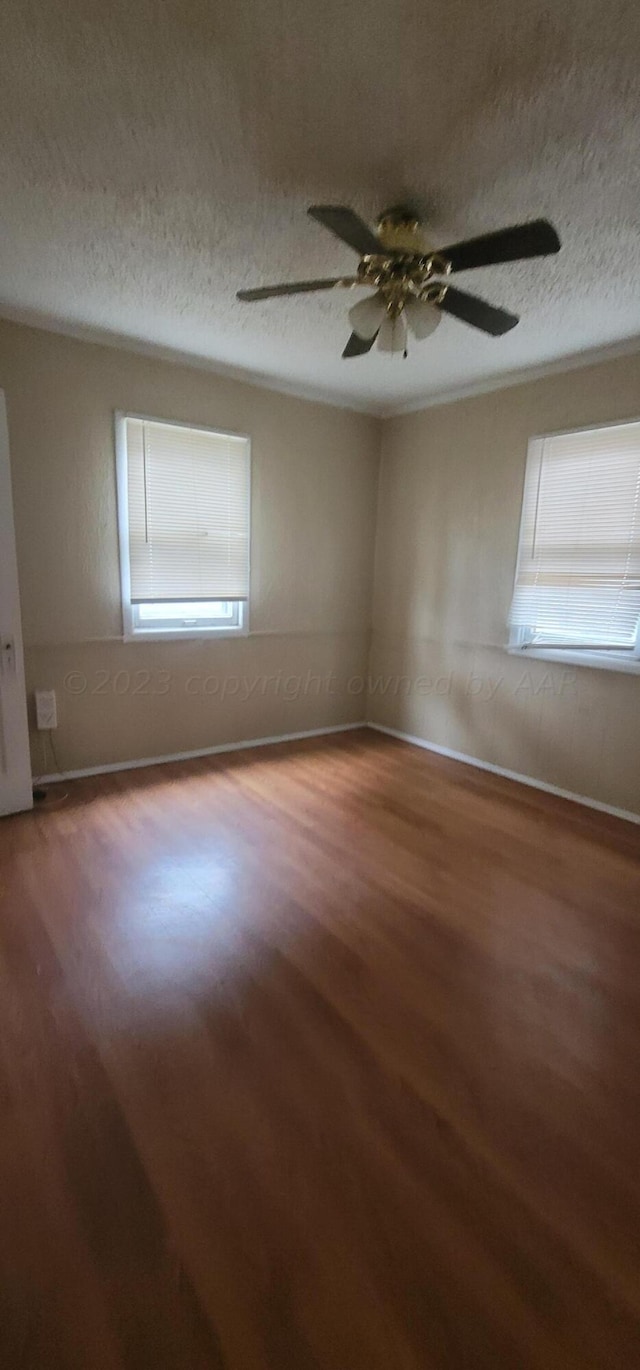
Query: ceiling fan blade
[[346, 225], [535, 239], [265, 292], [476, 312], [356, 347]]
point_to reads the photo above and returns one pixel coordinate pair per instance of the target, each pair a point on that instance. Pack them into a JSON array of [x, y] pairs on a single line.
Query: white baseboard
[[192, 756], [508, 775], [343, 728]]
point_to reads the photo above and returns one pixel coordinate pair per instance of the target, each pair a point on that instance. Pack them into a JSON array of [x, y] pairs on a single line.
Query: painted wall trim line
[[357, 404], [192, 756], [525, 375], [508, 775], [141, 347]]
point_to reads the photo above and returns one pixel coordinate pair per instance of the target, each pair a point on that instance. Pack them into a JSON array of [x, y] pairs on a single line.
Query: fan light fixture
[[393, 333], [423, 318], [371, 318], [366, 316]]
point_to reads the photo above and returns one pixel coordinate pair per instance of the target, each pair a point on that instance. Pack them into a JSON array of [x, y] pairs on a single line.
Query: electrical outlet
[[46, 709]]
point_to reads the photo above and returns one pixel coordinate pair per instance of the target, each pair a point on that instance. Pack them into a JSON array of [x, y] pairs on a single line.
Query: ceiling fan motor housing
[[399, 230]]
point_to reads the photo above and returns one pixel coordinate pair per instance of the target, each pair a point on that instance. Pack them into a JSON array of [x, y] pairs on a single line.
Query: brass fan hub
[[406, 264], [400, 276]]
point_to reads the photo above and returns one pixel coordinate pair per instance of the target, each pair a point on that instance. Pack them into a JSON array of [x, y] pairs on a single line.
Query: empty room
[[319, 685]]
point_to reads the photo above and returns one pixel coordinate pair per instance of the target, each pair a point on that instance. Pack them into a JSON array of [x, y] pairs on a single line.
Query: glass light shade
[[367, 315], [423, 318], [393, 334]]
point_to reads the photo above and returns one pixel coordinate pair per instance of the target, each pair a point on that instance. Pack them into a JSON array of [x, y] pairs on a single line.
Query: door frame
[[16, 784]]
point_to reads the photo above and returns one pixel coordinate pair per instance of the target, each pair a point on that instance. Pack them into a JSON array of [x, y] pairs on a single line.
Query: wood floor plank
[[321, 1056]]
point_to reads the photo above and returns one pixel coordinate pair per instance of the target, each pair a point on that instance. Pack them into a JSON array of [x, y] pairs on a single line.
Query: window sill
[[184, 634], [599, 661]]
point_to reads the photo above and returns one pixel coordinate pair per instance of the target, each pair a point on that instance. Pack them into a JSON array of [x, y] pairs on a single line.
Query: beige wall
[[314, 478], [449, 510]]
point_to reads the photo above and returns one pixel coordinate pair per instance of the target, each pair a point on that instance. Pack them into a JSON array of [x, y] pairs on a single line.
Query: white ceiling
[[157, 155]]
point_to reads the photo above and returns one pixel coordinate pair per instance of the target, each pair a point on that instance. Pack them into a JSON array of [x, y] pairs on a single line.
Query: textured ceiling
[[157, 155]]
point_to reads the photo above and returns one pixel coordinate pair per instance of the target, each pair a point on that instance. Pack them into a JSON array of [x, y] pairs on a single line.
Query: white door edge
[[15, 764]]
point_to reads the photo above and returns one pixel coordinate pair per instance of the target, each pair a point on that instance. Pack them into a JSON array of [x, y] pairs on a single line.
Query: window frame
[[131, 631], [618, 658]]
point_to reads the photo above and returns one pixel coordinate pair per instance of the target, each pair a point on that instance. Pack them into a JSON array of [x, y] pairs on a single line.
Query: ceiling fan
[[406, 274]]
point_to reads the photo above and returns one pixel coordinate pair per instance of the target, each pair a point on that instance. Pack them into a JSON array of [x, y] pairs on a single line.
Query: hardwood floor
[[319, 1057]]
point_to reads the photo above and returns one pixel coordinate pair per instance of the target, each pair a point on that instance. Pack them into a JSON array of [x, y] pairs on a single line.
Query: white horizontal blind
[[188, 495], [578, 575]]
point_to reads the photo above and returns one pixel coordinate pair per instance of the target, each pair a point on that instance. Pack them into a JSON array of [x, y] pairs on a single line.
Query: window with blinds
[[577, 582], [183, 498]]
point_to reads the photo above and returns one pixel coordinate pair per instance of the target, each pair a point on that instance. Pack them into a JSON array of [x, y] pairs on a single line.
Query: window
[[183, 513], [577, 585]]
